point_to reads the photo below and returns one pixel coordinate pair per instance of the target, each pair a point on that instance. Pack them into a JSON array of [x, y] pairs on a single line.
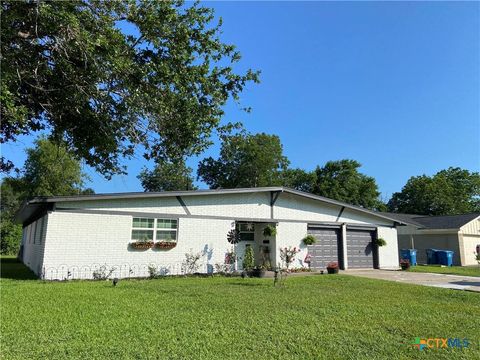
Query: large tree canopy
[[167, 176], [246, 160], [158, 84], [448, 192], [341, 180]]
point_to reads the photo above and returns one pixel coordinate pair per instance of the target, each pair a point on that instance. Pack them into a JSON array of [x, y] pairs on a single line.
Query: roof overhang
[[38, 204]]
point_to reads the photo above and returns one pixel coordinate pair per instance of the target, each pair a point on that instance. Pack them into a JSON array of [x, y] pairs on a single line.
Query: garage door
[[326, 247], [360, 248]]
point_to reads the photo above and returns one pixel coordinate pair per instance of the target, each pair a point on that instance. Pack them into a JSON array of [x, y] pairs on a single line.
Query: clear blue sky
[[395, 86]]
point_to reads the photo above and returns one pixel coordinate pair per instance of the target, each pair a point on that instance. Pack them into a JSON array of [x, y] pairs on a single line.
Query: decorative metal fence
[[121, 271]]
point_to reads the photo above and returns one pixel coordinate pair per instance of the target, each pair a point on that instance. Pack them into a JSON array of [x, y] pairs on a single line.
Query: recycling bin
[[410, 255], [445, 257], [432, 257]]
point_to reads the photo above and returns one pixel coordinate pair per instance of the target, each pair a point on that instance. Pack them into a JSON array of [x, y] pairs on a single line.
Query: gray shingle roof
[[436, 222]]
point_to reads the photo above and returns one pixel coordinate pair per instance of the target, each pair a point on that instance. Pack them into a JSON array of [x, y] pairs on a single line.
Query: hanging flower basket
[[165, 245], [141, 245]]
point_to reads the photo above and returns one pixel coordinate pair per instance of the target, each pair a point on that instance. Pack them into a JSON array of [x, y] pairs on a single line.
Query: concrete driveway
[[456, 282]]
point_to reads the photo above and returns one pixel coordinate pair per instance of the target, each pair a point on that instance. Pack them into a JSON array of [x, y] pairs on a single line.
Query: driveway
[[456, 282]]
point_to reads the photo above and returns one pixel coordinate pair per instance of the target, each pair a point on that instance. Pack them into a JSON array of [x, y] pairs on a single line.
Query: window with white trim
[[246, 231], [166, 229], [146, 229]]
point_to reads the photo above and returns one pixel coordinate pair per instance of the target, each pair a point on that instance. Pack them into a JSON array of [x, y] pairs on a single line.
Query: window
[[246, 231], [166, 229], [144, 229]]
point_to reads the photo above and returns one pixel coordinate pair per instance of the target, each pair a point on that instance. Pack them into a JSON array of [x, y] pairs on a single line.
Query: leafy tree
[[246, 160], [299, 179], [67, 67], [10, 233], [167, 176], [448, 192], [341, 180], [49, 170]]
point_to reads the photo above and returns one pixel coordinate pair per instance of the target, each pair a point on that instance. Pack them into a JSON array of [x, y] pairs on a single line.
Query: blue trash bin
[[445, 257], [432, 257], [410, 255]]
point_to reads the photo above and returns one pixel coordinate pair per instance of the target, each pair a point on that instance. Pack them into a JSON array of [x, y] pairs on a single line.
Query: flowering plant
[[332, 265], [230, 257], [287, 255]]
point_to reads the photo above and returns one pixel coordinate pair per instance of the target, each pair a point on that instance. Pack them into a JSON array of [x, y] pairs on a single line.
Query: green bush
[[11, 237], [269, 230], [380, 242], [248, 259], [309, 240]]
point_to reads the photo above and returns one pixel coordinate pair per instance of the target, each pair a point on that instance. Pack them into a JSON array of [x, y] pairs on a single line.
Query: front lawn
[[454, 270], [312, 317]]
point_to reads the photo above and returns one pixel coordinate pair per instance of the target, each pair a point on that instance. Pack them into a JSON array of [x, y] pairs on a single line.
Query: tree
[[49, 170], [246, 160], [167, 176], [299, 179], [160, 84], [341, 180], [448, 192]]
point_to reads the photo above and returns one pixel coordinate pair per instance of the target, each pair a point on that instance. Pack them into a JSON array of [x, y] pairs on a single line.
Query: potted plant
[[380, 242], [165, 245], [259, 271], [309, 240], [269, 230], [142, 244], [332, 267], [405, 264]]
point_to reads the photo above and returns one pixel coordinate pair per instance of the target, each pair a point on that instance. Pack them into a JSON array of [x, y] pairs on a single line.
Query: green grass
[[454, 270], [312, 317]]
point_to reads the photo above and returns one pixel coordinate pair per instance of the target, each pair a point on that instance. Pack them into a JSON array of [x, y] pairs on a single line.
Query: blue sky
[[395, 86]]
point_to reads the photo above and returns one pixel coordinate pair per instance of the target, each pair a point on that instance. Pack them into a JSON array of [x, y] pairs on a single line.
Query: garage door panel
[[360, 248], [325, 249]]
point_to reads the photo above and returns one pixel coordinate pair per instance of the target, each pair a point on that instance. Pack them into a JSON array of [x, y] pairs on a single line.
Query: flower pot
[[165, 245], [332, 270], [141, 245], [260, 273]]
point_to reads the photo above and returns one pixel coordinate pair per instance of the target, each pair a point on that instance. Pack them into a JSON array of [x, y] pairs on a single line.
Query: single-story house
[[458, 233], [72, 236]]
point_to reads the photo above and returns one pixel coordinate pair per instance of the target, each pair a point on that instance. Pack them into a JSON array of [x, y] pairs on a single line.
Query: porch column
[[344, 246]]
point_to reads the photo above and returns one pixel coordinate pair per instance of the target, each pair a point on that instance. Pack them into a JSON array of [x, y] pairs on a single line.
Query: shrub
[[309, 240], [191, 262], [287, 255], [248, 259], [102, 273], [269, 230]]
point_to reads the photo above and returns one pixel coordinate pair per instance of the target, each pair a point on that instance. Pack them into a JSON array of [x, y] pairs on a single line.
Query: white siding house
[[70, 237]]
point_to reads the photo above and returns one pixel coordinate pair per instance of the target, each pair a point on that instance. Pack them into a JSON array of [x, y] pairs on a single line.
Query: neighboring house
[[70, 236], [458, 233]]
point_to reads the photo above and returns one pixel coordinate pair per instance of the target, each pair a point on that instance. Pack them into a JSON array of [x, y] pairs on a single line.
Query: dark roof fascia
[[139, 195]]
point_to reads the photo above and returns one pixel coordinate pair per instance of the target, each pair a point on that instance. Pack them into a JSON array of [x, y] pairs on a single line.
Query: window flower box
[[165, 245], [141, 245]]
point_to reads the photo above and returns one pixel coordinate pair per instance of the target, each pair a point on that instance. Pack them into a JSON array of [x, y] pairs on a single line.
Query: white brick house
[[71, 236]]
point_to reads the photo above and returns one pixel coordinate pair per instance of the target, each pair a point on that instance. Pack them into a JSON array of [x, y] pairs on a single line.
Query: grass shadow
[[12, 268]]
